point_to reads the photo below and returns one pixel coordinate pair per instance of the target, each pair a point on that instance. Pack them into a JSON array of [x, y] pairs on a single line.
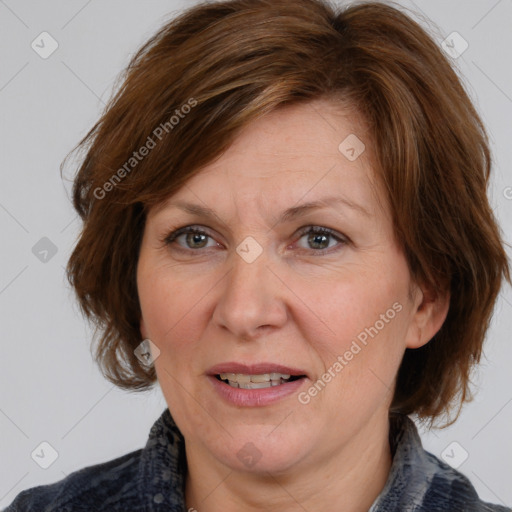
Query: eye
[[318, 239], [321, 239], [192, 238]]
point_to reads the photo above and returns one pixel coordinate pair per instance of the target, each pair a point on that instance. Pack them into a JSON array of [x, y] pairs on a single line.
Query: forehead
[[307, 150], [291, 134]]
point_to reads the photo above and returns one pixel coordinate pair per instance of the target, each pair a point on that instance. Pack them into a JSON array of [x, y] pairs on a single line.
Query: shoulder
[[111, 486], [452, 488], [151, 478], [420, 482]]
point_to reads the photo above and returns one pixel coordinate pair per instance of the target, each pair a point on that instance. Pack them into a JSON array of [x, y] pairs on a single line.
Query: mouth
[[255, 385], [255, 376], [257, 381]]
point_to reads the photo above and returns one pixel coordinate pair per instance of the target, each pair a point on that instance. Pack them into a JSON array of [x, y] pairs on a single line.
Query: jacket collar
[[163, 467]]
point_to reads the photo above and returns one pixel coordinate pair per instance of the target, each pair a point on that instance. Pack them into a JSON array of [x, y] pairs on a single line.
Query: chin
[[262, 452]]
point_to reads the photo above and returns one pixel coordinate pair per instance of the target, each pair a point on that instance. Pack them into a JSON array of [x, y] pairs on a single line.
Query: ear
[[430, 311]]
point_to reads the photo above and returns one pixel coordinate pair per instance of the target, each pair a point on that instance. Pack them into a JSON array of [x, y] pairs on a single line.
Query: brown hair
[[206, 74]]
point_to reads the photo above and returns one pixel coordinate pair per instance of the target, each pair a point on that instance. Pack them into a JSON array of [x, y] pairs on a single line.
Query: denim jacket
[[152, 480]]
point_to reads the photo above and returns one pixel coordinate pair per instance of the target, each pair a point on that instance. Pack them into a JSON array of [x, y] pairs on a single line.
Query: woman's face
[[322, 292]]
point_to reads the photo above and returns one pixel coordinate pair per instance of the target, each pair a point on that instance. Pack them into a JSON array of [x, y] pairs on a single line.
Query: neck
[[348, 479]]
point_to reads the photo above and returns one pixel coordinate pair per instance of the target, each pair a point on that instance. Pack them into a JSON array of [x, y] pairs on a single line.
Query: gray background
[[50, 389]]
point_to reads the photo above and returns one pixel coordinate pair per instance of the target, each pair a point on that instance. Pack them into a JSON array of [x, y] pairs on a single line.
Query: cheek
[[359, 330], [344, 307], [166, 299], [173, 309]]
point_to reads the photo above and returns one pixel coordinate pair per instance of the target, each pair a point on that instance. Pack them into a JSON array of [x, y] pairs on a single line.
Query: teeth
[[264, 378], [259, 378], [277, 376], [254, 385], [257, 385]]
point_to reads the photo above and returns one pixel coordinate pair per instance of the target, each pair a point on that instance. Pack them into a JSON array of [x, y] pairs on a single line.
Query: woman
[[286, 225]]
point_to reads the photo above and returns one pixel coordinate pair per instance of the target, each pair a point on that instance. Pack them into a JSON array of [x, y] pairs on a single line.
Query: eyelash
[[171, 238]]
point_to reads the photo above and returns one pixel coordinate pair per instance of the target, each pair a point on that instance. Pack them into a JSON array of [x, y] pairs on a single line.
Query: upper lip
[[254, 369]]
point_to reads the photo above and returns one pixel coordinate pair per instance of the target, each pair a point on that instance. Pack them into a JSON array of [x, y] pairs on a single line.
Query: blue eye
[[319, 239], [194, 238]]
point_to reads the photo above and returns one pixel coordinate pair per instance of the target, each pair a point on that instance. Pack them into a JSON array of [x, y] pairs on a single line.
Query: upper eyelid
[[186, 229]]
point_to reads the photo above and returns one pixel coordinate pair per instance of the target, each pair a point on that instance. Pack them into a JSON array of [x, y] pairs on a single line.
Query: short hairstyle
[[206, 74]]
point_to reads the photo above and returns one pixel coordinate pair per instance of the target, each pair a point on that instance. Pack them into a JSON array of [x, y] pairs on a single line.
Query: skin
[[203, 304]]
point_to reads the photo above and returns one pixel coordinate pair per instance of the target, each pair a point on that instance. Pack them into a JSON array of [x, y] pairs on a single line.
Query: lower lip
[[255, 397]]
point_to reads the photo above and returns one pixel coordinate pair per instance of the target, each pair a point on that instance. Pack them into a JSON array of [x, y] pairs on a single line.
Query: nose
[[251, 300]]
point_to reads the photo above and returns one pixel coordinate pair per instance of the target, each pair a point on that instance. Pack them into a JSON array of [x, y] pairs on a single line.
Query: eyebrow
[[287, 216]]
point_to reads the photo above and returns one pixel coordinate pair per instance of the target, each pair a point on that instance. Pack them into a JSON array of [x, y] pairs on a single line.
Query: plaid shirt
[[152, 480]]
